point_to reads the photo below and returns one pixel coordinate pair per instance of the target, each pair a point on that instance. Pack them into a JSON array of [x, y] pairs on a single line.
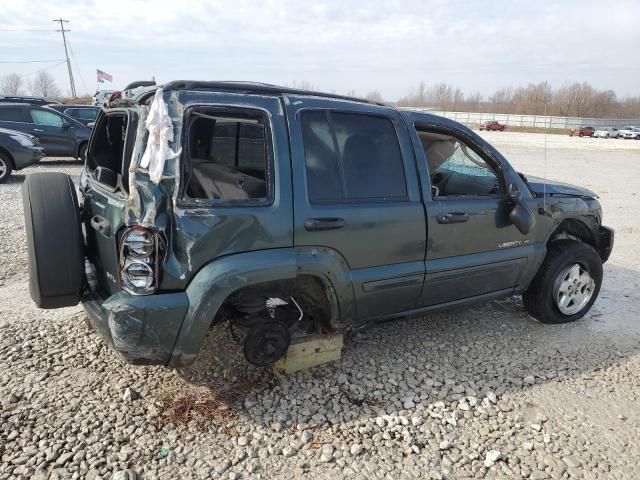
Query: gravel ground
[[484, 391]]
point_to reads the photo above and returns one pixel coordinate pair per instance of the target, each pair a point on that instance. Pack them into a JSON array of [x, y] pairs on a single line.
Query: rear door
[[56, 135], [356, 193]]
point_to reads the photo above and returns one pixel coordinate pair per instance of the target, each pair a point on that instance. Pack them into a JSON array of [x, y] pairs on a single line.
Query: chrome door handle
[[452, 218], [314, 224], [38, 130]]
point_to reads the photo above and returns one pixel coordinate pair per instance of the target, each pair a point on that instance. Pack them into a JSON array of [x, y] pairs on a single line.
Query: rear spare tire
[[54, 240]]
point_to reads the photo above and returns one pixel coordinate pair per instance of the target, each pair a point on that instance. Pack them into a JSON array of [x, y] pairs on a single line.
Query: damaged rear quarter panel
[[199, 232]]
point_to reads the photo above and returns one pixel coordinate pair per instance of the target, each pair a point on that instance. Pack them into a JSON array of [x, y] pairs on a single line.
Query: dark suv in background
[[85, 114], [59, 134]]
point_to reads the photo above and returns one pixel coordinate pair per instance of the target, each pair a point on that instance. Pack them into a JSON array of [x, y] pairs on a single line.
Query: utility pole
[[64, 40]]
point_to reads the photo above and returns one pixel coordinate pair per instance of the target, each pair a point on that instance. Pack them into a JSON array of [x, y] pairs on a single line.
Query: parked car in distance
[[101, 97], [582, 131], [30, 100], [633, 133], [17, 151], [261, 223], [627, 129], [492, 125], [59, 134], [85, 114], [606, 132]]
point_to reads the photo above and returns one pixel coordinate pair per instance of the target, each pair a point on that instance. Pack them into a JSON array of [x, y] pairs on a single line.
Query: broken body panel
[[389, 259]]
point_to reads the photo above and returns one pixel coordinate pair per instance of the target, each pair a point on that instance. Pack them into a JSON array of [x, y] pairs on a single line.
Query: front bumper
[[605, 242], [141, 329], [26, 156]]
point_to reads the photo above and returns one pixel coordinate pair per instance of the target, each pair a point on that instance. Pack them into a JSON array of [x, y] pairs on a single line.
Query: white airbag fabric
[[160, 129]]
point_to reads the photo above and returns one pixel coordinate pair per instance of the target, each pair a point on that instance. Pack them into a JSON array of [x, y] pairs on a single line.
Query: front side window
[[228, 156], [351, 157], [42, 117], [456, 169]]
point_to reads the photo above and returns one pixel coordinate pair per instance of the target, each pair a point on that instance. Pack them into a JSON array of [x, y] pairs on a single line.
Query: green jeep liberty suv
[[289, 213]]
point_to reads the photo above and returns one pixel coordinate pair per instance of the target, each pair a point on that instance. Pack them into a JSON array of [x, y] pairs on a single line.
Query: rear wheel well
[[307, 291], [572, 229], [9, 156]]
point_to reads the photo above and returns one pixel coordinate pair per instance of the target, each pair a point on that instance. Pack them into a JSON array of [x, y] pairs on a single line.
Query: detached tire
[[567, 284], [54, 240]]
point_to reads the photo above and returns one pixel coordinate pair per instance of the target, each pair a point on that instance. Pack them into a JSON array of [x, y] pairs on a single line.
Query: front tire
[[5, 167], [567, 283]]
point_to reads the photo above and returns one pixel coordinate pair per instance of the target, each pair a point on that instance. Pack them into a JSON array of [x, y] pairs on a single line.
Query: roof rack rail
[[249, 87], [140, 83], [23, 99]]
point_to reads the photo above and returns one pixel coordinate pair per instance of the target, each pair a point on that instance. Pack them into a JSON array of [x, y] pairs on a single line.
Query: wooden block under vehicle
[[309, 352]]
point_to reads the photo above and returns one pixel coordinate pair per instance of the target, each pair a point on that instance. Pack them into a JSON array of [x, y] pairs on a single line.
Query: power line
[[75, 60], [43, 69], [64, 40], [34, 61], [26, 30]]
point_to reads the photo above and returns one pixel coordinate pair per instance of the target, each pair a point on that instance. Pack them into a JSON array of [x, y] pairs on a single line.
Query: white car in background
[[626, 129], [101, 97], [606, 132], [631, 133]]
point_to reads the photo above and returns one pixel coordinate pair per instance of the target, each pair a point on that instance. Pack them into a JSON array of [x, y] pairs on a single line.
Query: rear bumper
[[605, 242], [141, 329]]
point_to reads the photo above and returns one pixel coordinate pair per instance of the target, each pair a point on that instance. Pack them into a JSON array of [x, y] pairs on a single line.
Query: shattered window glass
[[228, 157]]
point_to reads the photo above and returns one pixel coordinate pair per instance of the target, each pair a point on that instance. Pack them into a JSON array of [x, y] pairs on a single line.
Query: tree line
[[570, 100], [43, 85]]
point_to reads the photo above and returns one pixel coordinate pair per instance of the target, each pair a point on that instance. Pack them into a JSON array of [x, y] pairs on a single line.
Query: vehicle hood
[[8, 131], [536, 184]]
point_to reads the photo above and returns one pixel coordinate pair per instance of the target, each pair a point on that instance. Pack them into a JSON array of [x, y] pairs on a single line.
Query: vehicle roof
[[240, 87], [8, 131]]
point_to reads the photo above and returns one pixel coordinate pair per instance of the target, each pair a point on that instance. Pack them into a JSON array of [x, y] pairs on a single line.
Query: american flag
[[102, 76]]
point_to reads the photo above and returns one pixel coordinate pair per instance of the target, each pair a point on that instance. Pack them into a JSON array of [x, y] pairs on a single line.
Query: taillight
[[140, 251]]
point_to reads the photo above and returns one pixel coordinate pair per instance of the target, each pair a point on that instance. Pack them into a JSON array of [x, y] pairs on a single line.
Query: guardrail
[[542, 121]]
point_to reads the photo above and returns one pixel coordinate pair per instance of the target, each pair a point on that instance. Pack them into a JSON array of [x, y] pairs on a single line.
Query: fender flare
[[217, 280]]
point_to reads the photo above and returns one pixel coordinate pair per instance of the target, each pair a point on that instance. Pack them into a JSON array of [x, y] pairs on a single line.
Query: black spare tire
[[54, 240]]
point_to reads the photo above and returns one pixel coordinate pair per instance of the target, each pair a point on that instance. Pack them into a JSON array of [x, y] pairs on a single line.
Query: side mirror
[[520, 215]]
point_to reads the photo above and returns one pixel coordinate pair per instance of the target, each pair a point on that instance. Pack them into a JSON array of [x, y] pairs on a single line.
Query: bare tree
[[44, 85], [12, 85], [303, 85], [374, 96]]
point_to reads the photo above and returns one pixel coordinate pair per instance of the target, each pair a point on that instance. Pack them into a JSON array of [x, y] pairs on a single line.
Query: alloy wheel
[[574, 288]]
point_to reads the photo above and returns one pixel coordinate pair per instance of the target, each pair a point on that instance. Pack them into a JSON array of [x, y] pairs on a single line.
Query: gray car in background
[[17, 151]]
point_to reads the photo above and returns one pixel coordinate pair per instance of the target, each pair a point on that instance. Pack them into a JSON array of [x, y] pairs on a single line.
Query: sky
[[337, 45]]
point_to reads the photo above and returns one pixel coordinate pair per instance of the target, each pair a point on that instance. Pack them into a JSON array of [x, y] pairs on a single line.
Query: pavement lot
[[484, 391]]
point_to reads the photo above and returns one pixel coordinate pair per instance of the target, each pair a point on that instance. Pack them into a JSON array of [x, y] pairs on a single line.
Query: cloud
[[338, 45]]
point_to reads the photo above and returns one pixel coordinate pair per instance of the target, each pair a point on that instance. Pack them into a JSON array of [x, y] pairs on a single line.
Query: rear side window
[[83, 113], [42, 117], [351, 157], [11, 114], [228, 156]]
